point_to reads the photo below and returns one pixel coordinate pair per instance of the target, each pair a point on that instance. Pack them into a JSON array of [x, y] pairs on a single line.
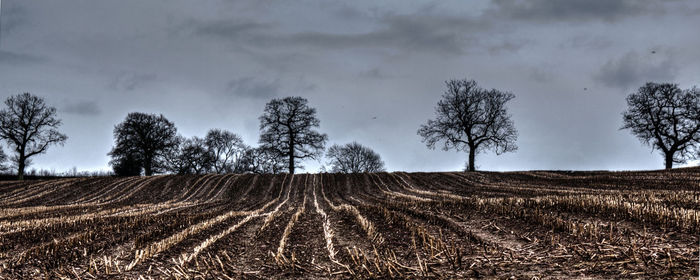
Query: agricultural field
[[525, 225]]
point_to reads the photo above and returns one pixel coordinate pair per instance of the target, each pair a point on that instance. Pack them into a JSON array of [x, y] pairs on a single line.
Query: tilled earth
[[520, 225]]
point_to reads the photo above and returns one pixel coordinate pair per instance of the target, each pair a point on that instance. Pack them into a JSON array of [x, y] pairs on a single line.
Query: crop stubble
[[403, 225]]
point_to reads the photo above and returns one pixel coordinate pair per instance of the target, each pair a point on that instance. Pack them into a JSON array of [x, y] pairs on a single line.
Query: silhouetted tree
[[471, 118], [287, 130], [126, 165], [354, 158], [29, 126], [192, 157], [147, 138], [3, 159], [261, 161], [227, 147], [667, 118]]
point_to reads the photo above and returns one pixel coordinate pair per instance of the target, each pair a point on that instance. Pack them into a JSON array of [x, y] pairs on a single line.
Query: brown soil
[[514, 225]]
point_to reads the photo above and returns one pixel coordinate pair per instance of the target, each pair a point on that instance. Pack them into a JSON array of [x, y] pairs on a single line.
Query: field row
[[403, 225]]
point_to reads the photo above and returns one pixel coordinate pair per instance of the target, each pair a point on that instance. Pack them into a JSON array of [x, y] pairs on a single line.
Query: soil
[[512, 225]]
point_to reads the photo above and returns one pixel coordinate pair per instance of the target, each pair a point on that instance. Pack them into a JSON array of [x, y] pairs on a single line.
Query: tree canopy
[[287, 130], [3, 159], [261, 161], [29, 127], [191, 157], [667, 118], [227, 148], [147, 139], [354, 158], [126, 165], [473, 119]]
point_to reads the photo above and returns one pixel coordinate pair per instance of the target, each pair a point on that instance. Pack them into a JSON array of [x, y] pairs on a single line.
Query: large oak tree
[[144, 138], [287, 130], [29, 127], [667, 118], [473, 119]]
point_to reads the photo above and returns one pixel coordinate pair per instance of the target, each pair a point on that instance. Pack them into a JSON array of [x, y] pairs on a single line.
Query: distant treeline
[[41, 174], [467, 118]]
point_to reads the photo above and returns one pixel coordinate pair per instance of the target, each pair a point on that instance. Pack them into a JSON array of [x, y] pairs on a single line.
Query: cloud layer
[[373, 69]]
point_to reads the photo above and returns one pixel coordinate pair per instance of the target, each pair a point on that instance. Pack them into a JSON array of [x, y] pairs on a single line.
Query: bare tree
[[29, 126], [147, 138], [261, 161], [354, 158], [3, 159], [287, 130], [126, 165], [471, 118], [667, 118], [227, 147], [192, 157]]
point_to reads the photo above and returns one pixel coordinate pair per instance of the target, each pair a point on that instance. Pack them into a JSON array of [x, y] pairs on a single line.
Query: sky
[[374, 70]]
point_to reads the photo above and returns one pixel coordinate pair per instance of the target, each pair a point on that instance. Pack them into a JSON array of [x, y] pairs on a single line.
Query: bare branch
[[287, 130], [29, 126], [666, 118], [354, 158], [471, 118]]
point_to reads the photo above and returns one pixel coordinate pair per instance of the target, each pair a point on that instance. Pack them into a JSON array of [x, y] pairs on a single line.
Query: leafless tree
[[471, 118], [147, 139], [227, 147], [667, 118], [287, 130], [3, 159], [29, 126], [261, 161], [126, 165], [354, 158], [192, 157]]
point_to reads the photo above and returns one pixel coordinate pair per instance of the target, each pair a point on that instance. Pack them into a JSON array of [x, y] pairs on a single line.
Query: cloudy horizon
[[374, 71]]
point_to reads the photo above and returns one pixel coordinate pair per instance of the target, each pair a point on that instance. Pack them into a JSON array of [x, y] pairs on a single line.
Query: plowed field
[[540, 224]]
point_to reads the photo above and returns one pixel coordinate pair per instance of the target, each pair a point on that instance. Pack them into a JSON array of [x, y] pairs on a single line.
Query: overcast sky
[[373, 69]]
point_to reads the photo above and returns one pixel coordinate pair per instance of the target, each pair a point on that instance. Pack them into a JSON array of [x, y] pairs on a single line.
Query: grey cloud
[[692, 11], [541, 74], [374, 73], [230, 29], [14, 58], [13, 16], [131, 81], [570, 10], [438, 34], [303, 85], [354, 60], [506, 46], [594, 43], [348, 12], [409, 33], [87, 108], [633, 69], [251, 87]]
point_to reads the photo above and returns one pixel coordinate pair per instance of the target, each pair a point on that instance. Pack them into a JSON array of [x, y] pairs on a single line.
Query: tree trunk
[[291, 156], [147, 167], [20, 168], [472, 155], [669, 159]]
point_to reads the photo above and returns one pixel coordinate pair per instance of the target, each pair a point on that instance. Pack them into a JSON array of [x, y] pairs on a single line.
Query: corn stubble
[[526, 225]]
